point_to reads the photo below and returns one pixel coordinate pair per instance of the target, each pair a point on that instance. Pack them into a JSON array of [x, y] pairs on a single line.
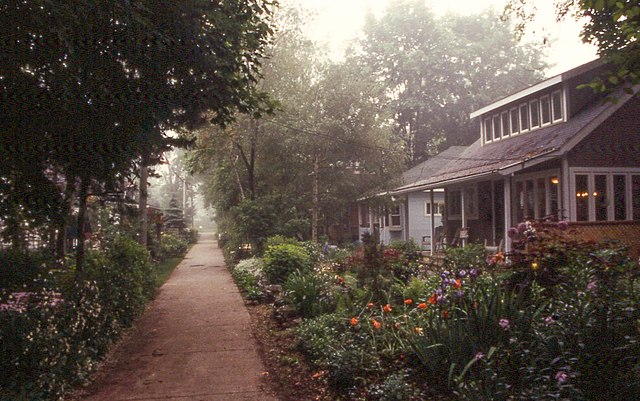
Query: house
[[553, 151], [411, 214]]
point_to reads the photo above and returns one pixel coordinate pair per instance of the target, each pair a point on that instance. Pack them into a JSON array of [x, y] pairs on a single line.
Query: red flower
[[457, 284], [376, 324], [354, 321], [433, 299], [387, 308], [408, 301], [445, 314], [422, 305], [370, 305]]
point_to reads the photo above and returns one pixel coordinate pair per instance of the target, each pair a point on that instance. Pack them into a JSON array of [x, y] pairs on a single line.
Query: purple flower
[[479, 356], [561, 376], [592, 286], [473, 272], [438, 292], [504, 324], [563, 225], [549, 320], [459, 293], [462, 273], [512, 232], [522, 227]]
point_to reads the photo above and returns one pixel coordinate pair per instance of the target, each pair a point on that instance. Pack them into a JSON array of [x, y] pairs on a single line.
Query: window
[[394, 213], [619, 197], [556, 102], [496, 127], [471, 202], [524, 117], [534, 108], [607, 195], [506, 127], [455, 204], [515, 126], [438, 208], [535, 196], [545, 110], [582, 197], [488, 134]]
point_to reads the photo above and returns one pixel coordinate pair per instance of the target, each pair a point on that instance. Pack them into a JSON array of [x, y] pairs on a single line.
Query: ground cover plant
[[555, 320]]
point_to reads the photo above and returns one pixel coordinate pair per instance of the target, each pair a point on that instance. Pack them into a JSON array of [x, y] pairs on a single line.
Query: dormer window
[[528, 115]]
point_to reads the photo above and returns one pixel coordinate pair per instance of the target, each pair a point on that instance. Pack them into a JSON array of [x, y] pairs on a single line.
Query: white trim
[[528, 127], [562, 113], [542, 123], [506, 131], [537, 100]]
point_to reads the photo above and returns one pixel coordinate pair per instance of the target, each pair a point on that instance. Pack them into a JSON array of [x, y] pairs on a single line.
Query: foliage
[[472, 256], [309, 292], [282, 260], [171, 246], [610, 24], [247, 275], [18, 267]]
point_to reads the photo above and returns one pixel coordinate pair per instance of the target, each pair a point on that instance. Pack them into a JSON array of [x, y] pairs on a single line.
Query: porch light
[[555, 180], [595, 194]]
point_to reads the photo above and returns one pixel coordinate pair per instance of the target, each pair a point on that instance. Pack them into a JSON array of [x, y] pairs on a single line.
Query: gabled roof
[[525, 150], [427, 169]]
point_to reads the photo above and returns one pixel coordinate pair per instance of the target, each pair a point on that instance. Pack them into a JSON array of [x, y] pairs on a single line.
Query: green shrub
[[190, 235], [125, 275], [280, 240], [172, 246], [282, 260], [309, 293], [472, 256], [19, 267], [396, 387], [247, 274], [319, 335]]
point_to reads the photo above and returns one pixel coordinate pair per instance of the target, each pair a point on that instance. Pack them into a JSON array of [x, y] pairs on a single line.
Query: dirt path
[[193, 342]]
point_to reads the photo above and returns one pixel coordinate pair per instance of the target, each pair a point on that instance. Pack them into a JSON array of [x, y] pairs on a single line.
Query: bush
[[190, 235], [319, 335], [282, 260], [18, 267], [172, 246], [125, 275], [247, 274], [309, 293]]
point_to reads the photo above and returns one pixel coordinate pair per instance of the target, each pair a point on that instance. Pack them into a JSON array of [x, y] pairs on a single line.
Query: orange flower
[[433, 299], [354, 321], [457, 284], [387, 308], [422, 305], [408, 301], [370, 305], [376, 324], [418, 330], [445, 314]]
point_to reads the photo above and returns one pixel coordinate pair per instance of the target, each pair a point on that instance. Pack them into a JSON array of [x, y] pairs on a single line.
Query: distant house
[[549, 151], [410, 214]]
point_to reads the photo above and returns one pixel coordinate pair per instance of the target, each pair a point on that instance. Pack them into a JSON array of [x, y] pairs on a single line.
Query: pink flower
[[561, 376], [512, 232], [504, 324], [479, 356], [522, 227]]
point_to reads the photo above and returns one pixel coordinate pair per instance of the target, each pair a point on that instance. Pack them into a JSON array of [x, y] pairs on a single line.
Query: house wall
[[624, 232], [615, 143], [419, 225]]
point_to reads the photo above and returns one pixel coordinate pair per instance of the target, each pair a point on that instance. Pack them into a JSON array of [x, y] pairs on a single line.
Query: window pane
[[534, 108], [427, 208], [488, 134], [506, 127], [635, 196], [556, 99], [470, 201], [519, 202], [542, 199], [515, 126], [530, 200], [545, 109], [395, 215], [524, 117], [553, 197], [582, 197], [455, 208], [600, 195], [496, 127], [619, 197]]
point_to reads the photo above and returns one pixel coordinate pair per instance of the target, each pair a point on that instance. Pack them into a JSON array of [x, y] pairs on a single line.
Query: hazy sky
[[338, 21]]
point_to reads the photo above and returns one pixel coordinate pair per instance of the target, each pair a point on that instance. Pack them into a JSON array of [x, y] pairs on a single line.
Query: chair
[[494, 249]]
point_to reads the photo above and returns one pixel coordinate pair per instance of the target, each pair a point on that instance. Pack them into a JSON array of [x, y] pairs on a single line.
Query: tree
[[612, 25], [91, 87], [438, 70]]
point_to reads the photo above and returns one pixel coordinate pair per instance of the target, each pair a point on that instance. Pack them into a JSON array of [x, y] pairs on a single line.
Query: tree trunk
[[315, 201], [82, 210], [144, 195]]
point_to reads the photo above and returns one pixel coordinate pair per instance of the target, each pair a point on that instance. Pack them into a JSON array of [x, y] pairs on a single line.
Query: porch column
[[405, 228], [433, 223], [463, 214], [564, 203], [507, 213]]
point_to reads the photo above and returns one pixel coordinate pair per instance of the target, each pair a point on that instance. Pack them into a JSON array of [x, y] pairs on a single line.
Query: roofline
[[539, 86], [441, 184], [416, 188]]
